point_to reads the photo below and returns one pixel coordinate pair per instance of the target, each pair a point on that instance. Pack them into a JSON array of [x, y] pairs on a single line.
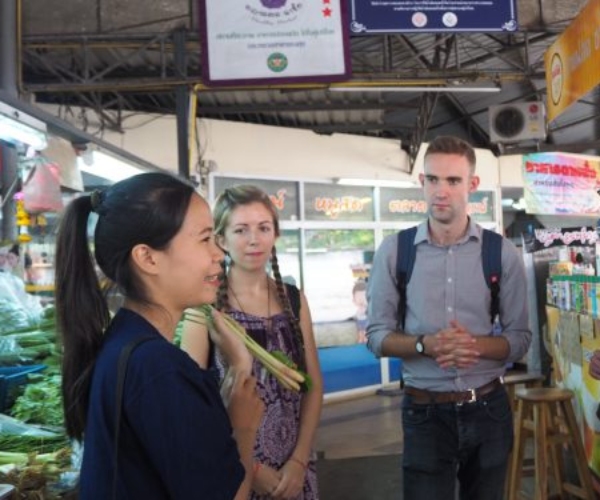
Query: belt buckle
[[472, 398]]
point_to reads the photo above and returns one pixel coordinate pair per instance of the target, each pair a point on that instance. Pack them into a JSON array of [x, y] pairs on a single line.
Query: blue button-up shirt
[[447, 283]]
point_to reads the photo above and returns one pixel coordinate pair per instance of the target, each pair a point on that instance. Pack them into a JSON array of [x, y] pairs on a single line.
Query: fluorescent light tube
[[20, 128], [375, 182], [400, 88], [107, 167]]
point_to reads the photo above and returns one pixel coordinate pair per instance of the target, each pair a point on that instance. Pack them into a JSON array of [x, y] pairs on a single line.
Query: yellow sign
[[573, 61]]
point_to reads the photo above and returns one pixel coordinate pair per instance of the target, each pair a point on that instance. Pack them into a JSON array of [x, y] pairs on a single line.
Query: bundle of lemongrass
[[276, 363]]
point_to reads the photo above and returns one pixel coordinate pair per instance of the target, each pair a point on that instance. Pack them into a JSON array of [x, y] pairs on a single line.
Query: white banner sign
[[273, 41]]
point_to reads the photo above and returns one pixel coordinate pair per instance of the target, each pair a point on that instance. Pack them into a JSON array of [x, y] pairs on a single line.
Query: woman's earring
[[227, 259]]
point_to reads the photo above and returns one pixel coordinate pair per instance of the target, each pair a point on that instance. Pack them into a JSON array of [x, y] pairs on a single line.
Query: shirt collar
[[473, 232]]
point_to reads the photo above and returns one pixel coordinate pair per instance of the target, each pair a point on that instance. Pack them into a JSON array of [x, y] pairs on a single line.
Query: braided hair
[[230, 199]]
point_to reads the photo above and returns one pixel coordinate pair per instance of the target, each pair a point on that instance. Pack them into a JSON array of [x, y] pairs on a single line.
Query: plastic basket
[[11, 378]]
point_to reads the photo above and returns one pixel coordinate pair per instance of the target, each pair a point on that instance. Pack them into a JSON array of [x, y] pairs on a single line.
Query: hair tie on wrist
[[255, 468]]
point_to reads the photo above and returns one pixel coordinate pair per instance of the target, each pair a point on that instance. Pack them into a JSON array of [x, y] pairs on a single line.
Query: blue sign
[[401, 16]]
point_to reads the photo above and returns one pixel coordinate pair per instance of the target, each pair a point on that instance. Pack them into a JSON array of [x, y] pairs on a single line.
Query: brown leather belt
[[424, 397]]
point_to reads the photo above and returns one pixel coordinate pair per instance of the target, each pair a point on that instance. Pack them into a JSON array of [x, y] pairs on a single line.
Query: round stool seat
[[544, 394], [522, 378]]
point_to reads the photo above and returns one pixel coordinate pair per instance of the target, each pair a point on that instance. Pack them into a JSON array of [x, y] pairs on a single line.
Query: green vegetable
[[41, 402], [23, 443], [280, 366], [281, 356]]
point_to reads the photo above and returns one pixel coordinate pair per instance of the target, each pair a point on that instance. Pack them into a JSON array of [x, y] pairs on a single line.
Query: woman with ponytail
[[246, 227], [165, 433]]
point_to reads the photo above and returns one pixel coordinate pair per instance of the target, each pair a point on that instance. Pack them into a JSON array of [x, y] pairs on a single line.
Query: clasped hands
[[283, 484], [454, 347]]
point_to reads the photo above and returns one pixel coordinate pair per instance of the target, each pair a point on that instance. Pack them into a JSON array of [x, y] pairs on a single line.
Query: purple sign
[[400, 16]]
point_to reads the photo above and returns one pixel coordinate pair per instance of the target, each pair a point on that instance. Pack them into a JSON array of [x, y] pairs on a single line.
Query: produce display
[[33, 342], [35, 453]]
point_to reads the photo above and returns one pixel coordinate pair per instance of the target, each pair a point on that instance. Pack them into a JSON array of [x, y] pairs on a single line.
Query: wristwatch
[[420, 345]]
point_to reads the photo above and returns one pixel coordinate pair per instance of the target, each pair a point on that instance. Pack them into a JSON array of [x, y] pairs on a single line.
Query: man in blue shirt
[[456, 416]]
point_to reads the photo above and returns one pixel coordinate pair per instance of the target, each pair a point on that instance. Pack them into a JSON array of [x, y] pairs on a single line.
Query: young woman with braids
[[246, 227], [167, 434]]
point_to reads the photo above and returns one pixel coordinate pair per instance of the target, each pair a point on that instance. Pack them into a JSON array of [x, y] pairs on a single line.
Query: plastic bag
[[41, 192]]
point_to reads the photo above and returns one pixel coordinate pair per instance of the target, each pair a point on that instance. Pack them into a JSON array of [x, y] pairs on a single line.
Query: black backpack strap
[[294, 295], [491, 260], [121, 373], [405, 261]]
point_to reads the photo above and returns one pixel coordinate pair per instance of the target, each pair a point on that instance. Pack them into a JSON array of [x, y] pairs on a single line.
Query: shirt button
[[449, 309], [450, 251], [449, 280]]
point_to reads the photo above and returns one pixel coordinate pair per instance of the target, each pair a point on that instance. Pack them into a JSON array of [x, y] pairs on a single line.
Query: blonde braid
[[284, 302]]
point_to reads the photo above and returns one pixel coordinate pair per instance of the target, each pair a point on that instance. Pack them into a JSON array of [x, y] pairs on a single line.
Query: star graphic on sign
[[327, 12]]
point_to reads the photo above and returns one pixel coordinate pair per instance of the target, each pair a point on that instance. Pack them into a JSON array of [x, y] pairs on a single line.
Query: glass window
[[288, 256], [402, 205], [283, 194], [481, 206], [335, 260], [330, 202], [407, 205]]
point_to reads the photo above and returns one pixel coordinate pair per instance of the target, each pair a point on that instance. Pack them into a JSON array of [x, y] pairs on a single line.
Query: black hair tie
[[96, 199]]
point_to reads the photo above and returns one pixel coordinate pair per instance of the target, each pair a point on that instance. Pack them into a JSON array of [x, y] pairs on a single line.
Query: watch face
[[420, 347]]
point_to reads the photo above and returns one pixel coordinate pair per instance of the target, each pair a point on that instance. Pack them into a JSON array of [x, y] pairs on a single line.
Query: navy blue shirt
[[175, 440]]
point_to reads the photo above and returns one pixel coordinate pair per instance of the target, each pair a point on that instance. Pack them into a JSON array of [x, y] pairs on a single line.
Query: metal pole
[[8, 46], [181, 105], [8, 83], [9, 160]]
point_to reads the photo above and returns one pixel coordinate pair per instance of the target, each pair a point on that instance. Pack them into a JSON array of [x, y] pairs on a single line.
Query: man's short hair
[[447, 144]]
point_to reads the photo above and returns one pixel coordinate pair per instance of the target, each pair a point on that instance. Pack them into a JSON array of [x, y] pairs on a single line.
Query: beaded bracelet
[[300, 462]]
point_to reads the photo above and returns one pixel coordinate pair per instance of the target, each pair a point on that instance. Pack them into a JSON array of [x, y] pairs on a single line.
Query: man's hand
[[454, 347]]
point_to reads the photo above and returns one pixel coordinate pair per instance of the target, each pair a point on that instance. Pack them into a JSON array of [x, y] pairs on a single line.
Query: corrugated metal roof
[[115, 56]]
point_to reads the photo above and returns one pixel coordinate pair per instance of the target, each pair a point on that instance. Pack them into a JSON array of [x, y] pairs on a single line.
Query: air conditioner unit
[[517, 122]]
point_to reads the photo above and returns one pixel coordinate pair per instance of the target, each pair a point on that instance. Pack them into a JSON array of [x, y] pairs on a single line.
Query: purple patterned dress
[[278, 432]]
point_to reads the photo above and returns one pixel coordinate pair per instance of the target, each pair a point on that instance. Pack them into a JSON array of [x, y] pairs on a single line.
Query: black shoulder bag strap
[[121, 373], [405, 261], [491, 260]]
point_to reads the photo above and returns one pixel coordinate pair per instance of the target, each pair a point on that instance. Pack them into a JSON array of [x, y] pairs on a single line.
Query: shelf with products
[[562, 269], [576, 293]]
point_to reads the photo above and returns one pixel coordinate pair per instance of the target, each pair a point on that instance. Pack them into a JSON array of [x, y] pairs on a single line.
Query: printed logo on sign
[[557, 78], [419, 19], [273, 4], [274, 12], [277, 62], [449, 19]]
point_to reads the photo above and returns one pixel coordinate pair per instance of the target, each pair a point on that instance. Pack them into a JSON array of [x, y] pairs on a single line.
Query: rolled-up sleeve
[[382, 295], [513, 302]]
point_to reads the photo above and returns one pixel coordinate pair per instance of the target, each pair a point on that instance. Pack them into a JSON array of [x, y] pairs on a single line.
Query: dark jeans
[[446, 441]]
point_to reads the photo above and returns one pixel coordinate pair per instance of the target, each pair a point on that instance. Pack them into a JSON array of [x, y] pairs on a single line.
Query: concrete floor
[[360, 427], [359, 442]]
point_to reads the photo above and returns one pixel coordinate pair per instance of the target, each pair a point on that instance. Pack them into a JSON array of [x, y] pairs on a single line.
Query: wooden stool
[[546, 415], [511, 381]]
